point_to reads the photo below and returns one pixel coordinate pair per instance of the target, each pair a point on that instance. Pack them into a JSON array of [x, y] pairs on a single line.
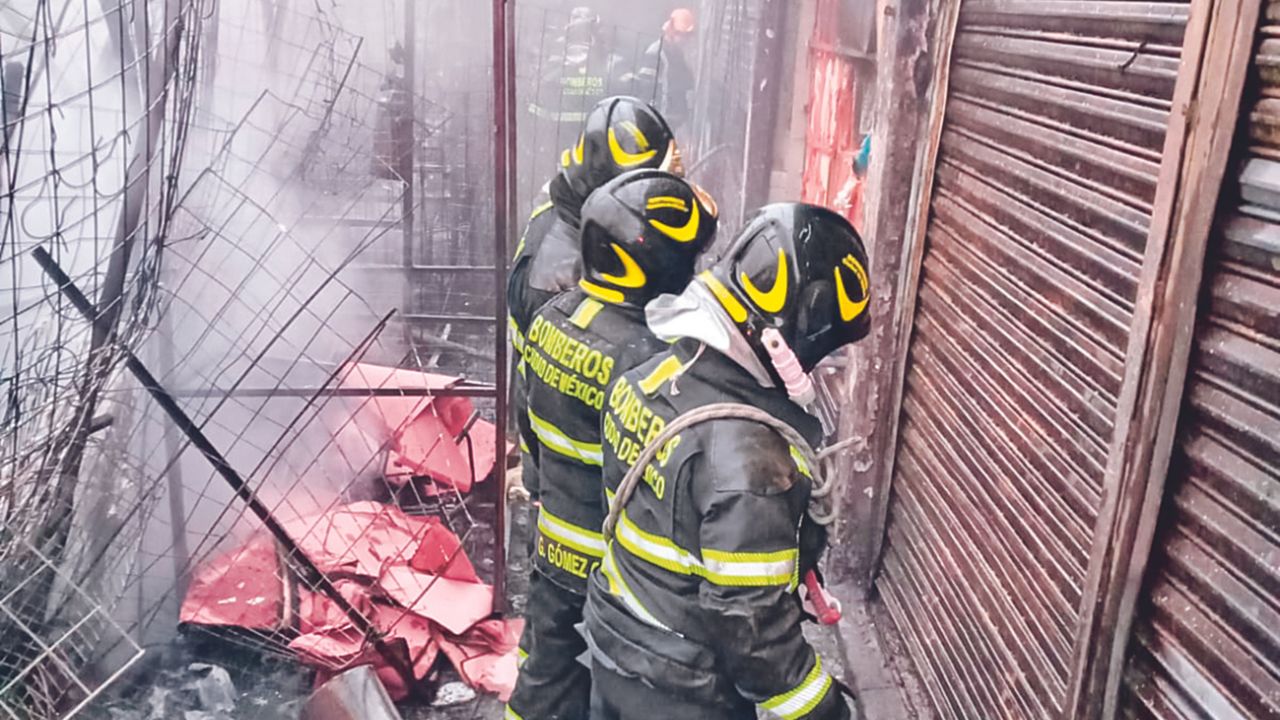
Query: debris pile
[[426, 437], [407, 574]]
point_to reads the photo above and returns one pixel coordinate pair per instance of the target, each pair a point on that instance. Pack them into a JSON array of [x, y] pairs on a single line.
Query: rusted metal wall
[[830, 142], [839, 65], [1206, 642], [1040, 209]]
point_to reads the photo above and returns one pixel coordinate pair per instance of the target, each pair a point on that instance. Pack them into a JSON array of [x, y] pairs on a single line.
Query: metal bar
[[480, 391], [410, 152], [425, 268], [220, 465], [177, 500], [444, 317], [1217, 55], [110, 302], [842, 51], [503, 207]]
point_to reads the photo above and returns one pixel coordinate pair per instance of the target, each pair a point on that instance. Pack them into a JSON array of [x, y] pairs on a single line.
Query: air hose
[[821, 508]]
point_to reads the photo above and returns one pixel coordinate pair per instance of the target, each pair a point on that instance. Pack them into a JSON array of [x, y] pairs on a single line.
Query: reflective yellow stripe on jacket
[[619, 588], [517, 337], [803, 698], [585, 541], [736, 569], [556, 440], [564, 117]]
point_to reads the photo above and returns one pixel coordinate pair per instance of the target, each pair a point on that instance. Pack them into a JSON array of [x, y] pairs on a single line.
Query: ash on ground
[[206, 676]]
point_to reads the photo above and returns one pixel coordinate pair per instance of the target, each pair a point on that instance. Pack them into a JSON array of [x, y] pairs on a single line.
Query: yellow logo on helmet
[[624, 158], [685, 233], [773, 300], [726, 298], [641, 141], [632, 275], [849, 310], [666, 201], [578, 149]]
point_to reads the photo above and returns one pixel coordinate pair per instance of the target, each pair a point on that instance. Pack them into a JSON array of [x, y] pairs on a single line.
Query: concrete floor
[[866, 667]]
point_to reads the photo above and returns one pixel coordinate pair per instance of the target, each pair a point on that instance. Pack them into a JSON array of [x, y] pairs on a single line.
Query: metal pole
[[201, 442], [503, 157], [71, 448], [410, 152], [477, 391], [408, 155], [176, 488]]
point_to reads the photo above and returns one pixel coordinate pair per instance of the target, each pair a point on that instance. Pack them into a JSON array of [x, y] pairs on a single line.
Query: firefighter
[[667, 76], [641, 235], [583, 70], [694, 609], [620, 134]]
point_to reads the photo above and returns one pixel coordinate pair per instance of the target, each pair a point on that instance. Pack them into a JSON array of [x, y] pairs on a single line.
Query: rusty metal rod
[[503, 207], [220, 465]]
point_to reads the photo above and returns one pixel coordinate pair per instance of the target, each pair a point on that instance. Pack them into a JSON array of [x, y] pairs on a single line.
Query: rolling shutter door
[[1040, 209], [1206, 642]]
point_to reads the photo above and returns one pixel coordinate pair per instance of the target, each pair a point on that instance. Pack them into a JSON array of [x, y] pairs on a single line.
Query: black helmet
[[641, 235], [620, 134], [798, 268]]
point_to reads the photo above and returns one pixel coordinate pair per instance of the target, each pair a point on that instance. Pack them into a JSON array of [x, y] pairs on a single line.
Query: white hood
[[696, 314]]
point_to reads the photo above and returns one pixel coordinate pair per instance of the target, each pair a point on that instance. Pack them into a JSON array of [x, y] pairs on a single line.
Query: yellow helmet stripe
[[578, 149], [641, 140], [684, 233], [632, 276], [666, 201], [624, 158], [608, 295], [773, 300], [726, 298], [848, 308]]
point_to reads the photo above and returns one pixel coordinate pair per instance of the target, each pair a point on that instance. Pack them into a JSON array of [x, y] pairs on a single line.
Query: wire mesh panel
[[96, 100], [570, 58], [247, 193], [44, 666]]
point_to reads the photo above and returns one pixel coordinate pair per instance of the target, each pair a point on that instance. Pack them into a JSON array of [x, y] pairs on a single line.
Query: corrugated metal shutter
[[1040, 210], [1207, 639]]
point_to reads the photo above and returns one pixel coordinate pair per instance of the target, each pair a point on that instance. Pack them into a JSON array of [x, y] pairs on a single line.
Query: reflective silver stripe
[[555, 439], [751, 568], [557, 116], [802, 699], [566, 533]]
